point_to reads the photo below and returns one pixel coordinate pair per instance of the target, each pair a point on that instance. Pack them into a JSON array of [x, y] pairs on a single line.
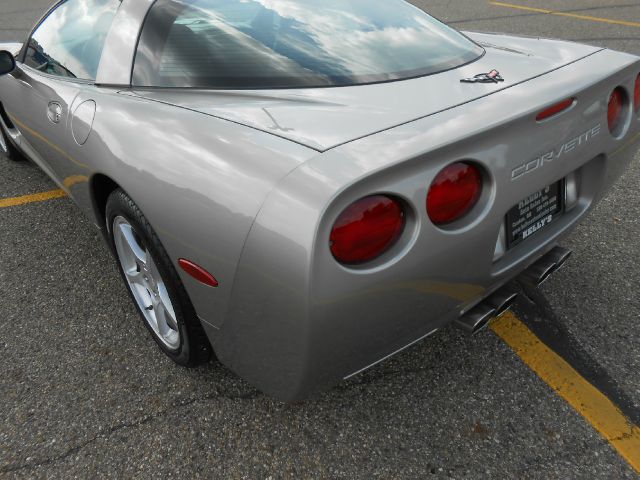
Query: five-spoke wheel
[[154, 284], [145, 282]]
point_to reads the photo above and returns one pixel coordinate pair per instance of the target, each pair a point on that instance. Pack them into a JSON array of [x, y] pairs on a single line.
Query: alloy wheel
[[146, 283]]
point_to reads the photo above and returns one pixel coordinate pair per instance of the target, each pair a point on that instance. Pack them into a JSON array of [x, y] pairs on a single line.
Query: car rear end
[[303, 315]]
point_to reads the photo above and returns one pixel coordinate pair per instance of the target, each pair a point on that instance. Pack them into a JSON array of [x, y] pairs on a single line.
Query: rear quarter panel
[[200, 181]]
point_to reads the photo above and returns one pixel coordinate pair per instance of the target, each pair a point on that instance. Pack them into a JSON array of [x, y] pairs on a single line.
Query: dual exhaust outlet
[[494, 306]]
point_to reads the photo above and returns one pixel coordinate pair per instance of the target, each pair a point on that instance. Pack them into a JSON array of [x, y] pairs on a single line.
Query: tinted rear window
[[293, 43]]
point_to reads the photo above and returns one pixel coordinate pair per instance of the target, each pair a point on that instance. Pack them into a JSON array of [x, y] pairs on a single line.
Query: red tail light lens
[[455, 191], [555, 109], [636, 94], [366, 229], [614, 114]]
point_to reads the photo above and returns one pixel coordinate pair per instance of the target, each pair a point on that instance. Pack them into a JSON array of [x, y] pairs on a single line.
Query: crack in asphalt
[[624, 436], [123, 426]]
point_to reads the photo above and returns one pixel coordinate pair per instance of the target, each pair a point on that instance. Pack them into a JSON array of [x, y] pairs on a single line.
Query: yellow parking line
[[36, 197], [587, 400], [567, 14]]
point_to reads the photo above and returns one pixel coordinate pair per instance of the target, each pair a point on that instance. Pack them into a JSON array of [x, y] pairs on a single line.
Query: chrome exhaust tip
[[540, 271], [502, 300], [559, 255], [476, 319]]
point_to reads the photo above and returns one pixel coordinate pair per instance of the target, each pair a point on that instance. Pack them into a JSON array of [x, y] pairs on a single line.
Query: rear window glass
[[293, 43]]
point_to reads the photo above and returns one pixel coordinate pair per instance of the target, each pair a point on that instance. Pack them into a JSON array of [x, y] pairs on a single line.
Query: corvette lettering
[[549, 157], [537, 226]]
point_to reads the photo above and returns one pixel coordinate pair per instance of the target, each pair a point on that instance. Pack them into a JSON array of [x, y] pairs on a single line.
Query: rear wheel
[[7, 148], [154, 284]]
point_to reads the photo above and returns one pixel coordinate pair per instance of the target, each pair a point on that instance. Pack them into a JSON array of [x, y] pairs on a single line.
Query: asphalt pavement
[[85, 393]]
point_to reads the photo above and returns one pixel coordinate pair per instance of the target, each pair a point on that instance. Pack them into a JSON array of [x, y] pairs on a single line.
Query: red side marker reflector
[[197, 272], [555, 109]]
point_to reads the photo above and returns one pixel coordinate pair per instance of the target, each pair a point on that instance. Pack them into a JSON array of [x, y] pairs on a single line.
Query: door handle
[[54, 112]]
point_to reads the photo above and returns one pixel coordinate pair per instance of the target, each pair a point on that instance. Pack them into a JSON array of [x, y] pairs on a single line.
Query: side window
[[69, 42]]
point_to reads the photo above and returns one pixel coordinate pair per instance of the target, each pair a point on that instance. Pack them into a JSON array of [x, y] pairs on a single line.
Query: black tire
[[12, 152], [194, 348]]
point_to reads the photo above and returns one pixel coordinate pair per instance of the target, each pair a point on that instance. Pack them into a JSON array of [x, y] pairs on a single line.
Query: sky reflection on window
[[70, 40], [292, 43]]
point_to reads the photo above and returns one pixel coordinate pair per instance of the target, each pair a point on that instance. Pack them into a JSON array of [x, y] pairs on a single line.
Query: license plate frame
[[534, 213]]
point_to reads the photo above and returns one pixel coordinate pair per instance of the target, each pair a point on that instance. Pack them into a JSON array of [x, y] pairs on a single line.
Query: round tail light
[[366, 229], [636, 94], [455, 191], [614, 112]]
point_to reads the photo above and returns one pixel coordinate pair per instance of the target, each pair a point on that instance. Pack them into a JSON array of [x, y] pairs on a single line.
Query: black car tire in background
[[12, 153]]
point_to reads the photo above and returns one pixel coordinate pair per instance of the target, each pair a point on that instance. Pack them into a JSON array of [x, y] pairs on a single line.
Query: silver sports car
[[305, 187]]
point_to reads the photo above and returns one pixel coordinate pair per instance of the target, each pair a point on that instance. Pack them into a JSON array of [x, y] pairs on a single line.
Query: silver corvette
[[305, 187]]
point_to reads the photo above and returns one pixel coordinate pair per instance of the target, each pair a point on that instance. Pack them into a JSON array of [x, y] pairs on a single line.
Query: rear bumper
[[299, 321]]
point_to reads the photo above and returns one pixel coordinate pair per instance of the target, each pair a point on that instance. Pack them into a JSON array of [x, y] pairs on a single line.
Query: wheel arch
[[101, 186]]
